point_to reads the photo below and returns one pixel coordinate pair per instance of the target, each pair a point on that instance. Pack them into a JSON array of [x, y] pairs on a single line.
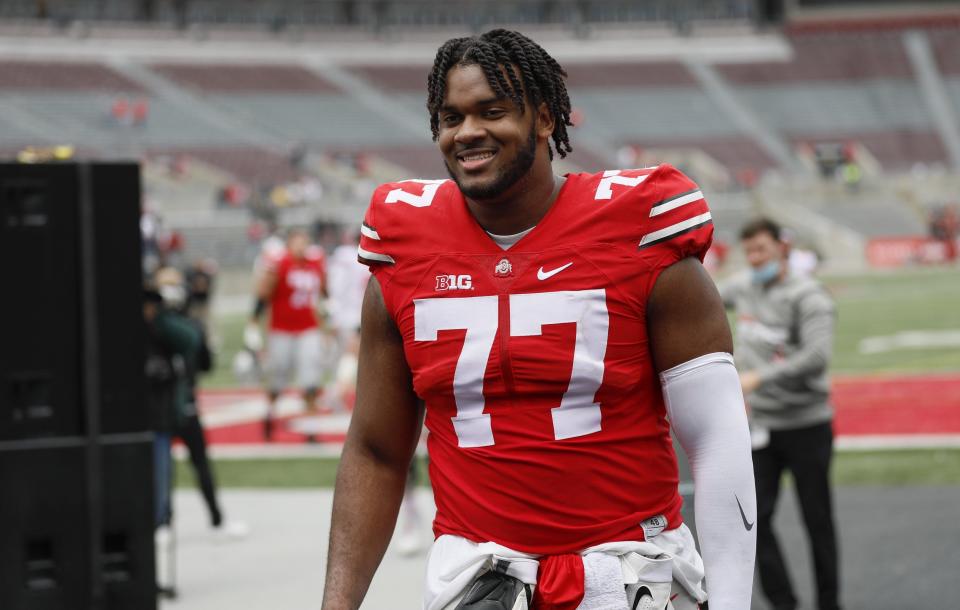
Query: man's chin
[[492, 185], [484, 192], [477, 188]]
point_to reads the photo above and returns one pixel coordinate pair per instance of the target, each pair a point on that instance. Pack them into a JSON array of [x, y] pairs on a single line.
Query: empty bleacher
[[395, 78], [849, 85], [230, 78], [946, 48], [22, 75], [835, 86], [278, 14], [322, 120], [737, 153], [877, 218], [841, 85], [835, 56], [251, 165], [895, 149]]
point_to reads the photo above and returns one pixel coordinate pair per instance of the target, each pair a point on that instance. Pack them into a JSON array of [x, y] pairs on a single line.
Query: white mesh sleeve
[[706, 409]]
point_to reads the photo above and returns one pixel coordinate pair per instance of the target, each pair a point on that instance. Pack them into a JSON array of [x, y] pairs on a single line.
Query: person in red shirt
[[551, 330], [290, 285]]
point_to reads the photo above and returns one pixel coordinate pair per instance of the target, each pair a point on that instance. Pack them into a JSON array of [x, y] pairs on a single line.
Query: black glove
[[496, 591]]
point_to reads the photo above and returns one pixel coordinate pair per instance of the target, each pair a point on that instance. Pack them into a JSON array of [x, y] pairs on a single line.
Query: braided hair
[[540, 77]]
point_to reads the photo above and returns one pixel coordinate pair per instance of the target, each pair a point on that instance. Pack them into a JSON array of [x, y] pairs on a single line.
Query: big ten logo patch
[[454, 282]]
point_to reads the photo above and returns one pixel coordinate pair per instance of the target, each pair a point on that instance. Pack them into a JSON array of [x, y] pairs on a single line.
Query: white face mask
[[174, 296], [765, 274]]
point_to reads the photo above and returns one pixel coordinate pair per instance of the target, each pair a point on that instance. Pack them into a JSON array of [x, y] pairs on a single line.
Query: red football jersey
[[294, 301], [548, 432]]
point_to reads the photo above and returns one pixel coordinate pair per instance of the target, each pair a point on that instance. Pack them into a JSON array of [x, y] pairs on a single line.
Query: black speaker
[[44, 528], [39, 304], [128, 571], [76, 457], [118, 288], [43, 548], [50, 253]]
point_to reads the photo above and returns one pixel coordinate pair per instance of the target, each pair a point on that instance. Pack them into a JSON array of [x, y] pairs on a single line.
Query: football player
[[555, 327], [291, 284]]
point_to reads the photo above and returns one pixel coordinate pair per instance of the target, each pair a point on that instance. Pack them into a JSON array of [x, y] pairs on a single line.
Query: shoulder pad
[[675, 214], [391, 209], [652, 206], [614, 183]]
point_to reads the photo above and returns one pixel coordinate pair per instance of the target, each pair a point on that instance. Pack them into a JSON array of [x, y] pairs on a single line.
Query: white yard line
[[870, 442], [911, 339], [267, 451]]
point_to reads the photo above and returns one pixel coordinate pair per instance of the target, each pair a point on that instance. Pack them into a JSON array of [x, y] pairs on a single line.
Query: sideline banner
[[902, 251]]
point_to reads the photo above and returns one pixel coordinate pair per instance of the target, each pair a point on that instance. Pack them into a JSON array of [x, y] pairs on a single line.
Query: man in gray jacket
[[784, 342]]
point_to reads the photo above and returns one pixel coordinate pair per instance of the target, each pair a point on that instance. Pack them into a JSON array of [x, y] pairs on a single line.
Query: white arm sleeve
[[706, 409]]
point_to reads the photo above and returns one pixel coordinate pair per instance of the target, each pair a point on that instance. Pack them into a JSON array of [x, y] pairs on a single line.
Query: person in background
[[172, 347], [785, 326], [290, 286], [347, 281], [188, 426], [199, 280]]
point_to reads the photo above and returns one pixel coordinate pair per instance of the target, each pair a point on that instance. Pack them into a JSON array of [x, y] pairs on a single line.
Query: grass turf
[[879, 468], [884, 304], [868, 305]]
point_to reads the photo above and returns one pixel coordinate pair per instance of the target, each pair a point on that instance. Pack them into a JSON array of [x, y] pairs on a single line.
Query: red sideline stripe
[[220, 397], [865, 405], [252, 432], [246, 392], [923, 404]]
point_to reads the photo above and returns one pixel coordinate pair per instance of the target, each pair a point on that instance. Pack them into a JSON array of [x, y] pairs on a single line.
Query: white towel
[[648, 575], [603, 586], [454, 562]]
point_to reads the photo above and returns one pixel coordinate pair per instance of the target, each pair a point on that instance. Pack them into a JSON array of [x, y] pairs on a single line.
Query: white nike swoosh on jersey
[[546, 275]]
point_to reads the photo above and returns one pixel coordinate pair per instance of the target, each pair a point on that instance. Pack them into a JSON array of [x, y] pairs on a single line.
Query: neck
[[522, 205]]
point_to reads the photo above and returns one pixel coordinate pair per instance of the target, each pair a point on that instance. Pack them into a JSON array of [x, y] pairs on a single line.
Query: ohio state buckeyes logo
[[503, 268]]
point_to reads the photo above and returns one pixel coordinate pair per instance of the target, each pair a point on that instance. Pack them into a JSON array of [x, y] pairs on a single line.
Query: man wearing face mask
[[188, 427], [785, 325]]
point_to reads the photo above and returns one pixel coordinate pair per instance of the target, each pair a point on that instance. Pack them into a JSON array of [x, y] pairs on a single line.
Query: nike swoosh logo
[[746, 524], [546, 275]]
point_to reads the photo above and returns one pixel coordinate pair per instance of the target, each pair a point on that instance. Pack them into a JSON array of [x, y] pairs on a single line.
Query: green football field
[[875, 308], [882, 305], [873, 468]]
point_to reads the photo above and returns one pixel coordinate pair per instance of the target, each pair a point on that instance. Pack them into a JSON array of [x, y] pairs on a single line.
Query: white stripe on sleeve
[[373, 256], [674, 229], [369, 232], [675, 203]]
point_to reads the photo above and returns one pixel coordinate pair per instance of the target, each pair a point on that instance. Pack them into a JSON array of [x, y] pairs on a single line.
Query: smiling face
[[488, 145]]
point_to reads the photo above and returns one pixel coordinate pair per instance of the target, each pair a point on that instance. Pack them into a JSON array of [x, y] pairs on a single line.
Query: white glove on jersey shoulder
[[706, 410]]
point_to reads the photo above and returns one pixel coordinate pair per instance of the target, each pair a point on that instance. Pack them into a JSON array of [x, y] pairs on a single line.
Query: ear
[[545, 122]]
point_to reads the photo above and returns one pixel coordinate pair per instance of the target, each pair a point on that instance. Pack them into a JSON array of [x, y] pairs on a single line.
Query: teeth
[[477, 156]]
